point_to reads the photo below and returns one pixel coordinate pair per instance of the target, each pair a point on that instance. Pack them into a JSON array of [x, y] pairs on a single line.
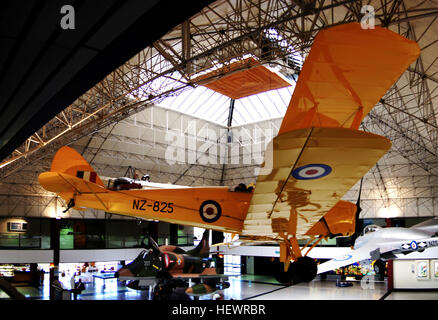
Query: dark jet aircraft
[[169, 268]]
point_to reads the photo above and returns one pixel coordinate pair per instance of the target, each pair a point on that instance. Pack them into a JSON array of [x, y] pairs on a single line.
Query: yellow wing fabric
[[319, 154], [347, 71], [312, 169]]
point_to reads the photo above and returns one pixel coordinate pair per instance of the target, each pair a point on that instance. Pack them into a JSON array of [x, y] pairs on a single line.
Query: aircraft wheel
[[285, 277], [379, 267], [306, 269]]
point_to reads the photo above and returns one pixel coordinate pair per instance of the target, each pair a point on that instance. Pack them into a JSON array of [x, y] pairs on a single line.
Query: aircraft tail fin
[[71, 174], [203, 247], [69, 161], [429, 226]]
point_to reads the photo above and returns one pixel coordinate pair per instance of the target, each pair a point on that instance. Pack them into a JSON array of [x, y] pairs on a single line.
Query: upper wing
[[346, 73], [319, 154], [345, 260]]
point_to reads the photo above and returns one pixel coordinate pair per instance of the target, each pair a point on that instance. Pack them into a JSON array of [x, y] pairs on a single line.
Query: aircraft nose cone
[[123, 272]]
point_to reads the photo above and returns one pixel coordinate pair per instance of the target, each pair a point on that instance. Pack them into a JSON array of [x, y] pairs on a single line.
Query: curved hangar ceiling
[[44, 68]]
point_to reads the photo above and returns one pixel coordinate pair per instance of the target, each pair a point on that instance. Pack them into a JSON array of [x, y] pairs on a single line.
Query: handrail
[[24, 241]]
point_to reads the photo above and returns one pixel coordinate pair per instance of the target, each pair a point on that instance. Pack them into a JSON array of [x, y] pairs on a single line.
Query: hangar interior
[[195, 103]]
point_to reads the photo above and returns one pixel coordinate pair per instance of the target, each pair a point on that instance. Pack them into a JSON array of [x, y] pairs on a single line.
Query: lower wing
[[345, 260], [383, 250], [310, 171]]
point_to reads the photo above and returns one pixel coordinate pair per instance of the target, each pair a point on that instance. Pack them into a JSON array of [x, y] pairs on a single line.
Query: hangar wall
[[67, 256], [410, 274]]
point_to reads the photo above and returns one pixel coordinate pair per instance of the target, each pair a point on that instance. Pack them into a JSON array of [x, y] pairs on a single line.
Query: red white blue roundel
[[414, 245], [343, 258], [210, 211], [311, 171]]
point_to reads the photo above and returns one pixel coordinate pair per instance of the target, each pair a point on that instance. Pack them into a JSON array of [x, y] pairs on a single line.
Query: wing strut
[[313, 245], [357, 226], [97, 197], [289, 250]]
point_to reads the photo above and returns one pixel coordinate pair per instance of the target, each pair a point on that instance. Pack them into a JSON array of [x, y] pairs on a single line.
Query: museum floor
[[244, 288]]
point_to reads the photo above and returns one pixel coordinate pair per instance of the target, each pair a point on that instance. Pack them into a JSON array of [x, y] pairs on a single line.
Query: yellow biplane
[[317, 156]]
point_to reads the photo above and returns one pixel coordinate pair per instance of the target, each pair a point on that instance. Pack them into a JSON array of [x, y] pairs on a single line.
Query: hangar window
[[207, 104], [17, 226]]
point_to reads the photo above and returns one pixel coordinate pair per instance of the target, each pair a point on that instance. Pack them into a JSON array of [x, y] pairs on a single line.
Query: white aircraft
[[386, 243]]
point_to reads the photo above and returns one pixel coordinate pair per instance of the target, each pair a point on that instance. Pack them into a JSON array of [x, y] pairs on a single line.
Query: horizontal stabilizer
[[64, 183]]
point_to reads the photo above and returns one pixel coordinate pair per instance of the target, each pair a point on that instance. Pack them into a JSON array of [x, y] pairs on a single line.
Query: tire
[[283, 277], [306, 269], [302, 270], [379, 267]]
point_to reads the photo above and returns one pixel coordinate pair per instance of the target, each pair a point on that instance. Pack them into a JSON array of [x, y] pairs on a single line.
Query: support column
[[186, 45], [388, 222], [389, 265], [153, 230], [390, 270], [173, 234], [218, 237], [229, 138], [55, 246], [34, 275]]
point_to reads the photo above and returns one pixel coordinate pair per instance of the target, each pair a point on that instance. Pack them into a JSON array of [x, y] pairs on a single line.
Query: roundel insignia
[[414, 245], [166, 260], [343, 258], [311, 171], [210, 211]]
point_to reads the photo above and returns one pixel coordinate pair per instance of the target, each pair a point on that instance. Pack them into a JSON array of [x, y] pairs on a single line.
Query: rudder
[[69, 161]]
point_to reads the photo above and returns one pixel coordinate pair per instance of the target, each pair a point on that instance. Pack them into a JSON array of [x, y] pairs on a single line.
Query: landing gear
[[284, 277], [302, 270], [380, 268], [306, 269]]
